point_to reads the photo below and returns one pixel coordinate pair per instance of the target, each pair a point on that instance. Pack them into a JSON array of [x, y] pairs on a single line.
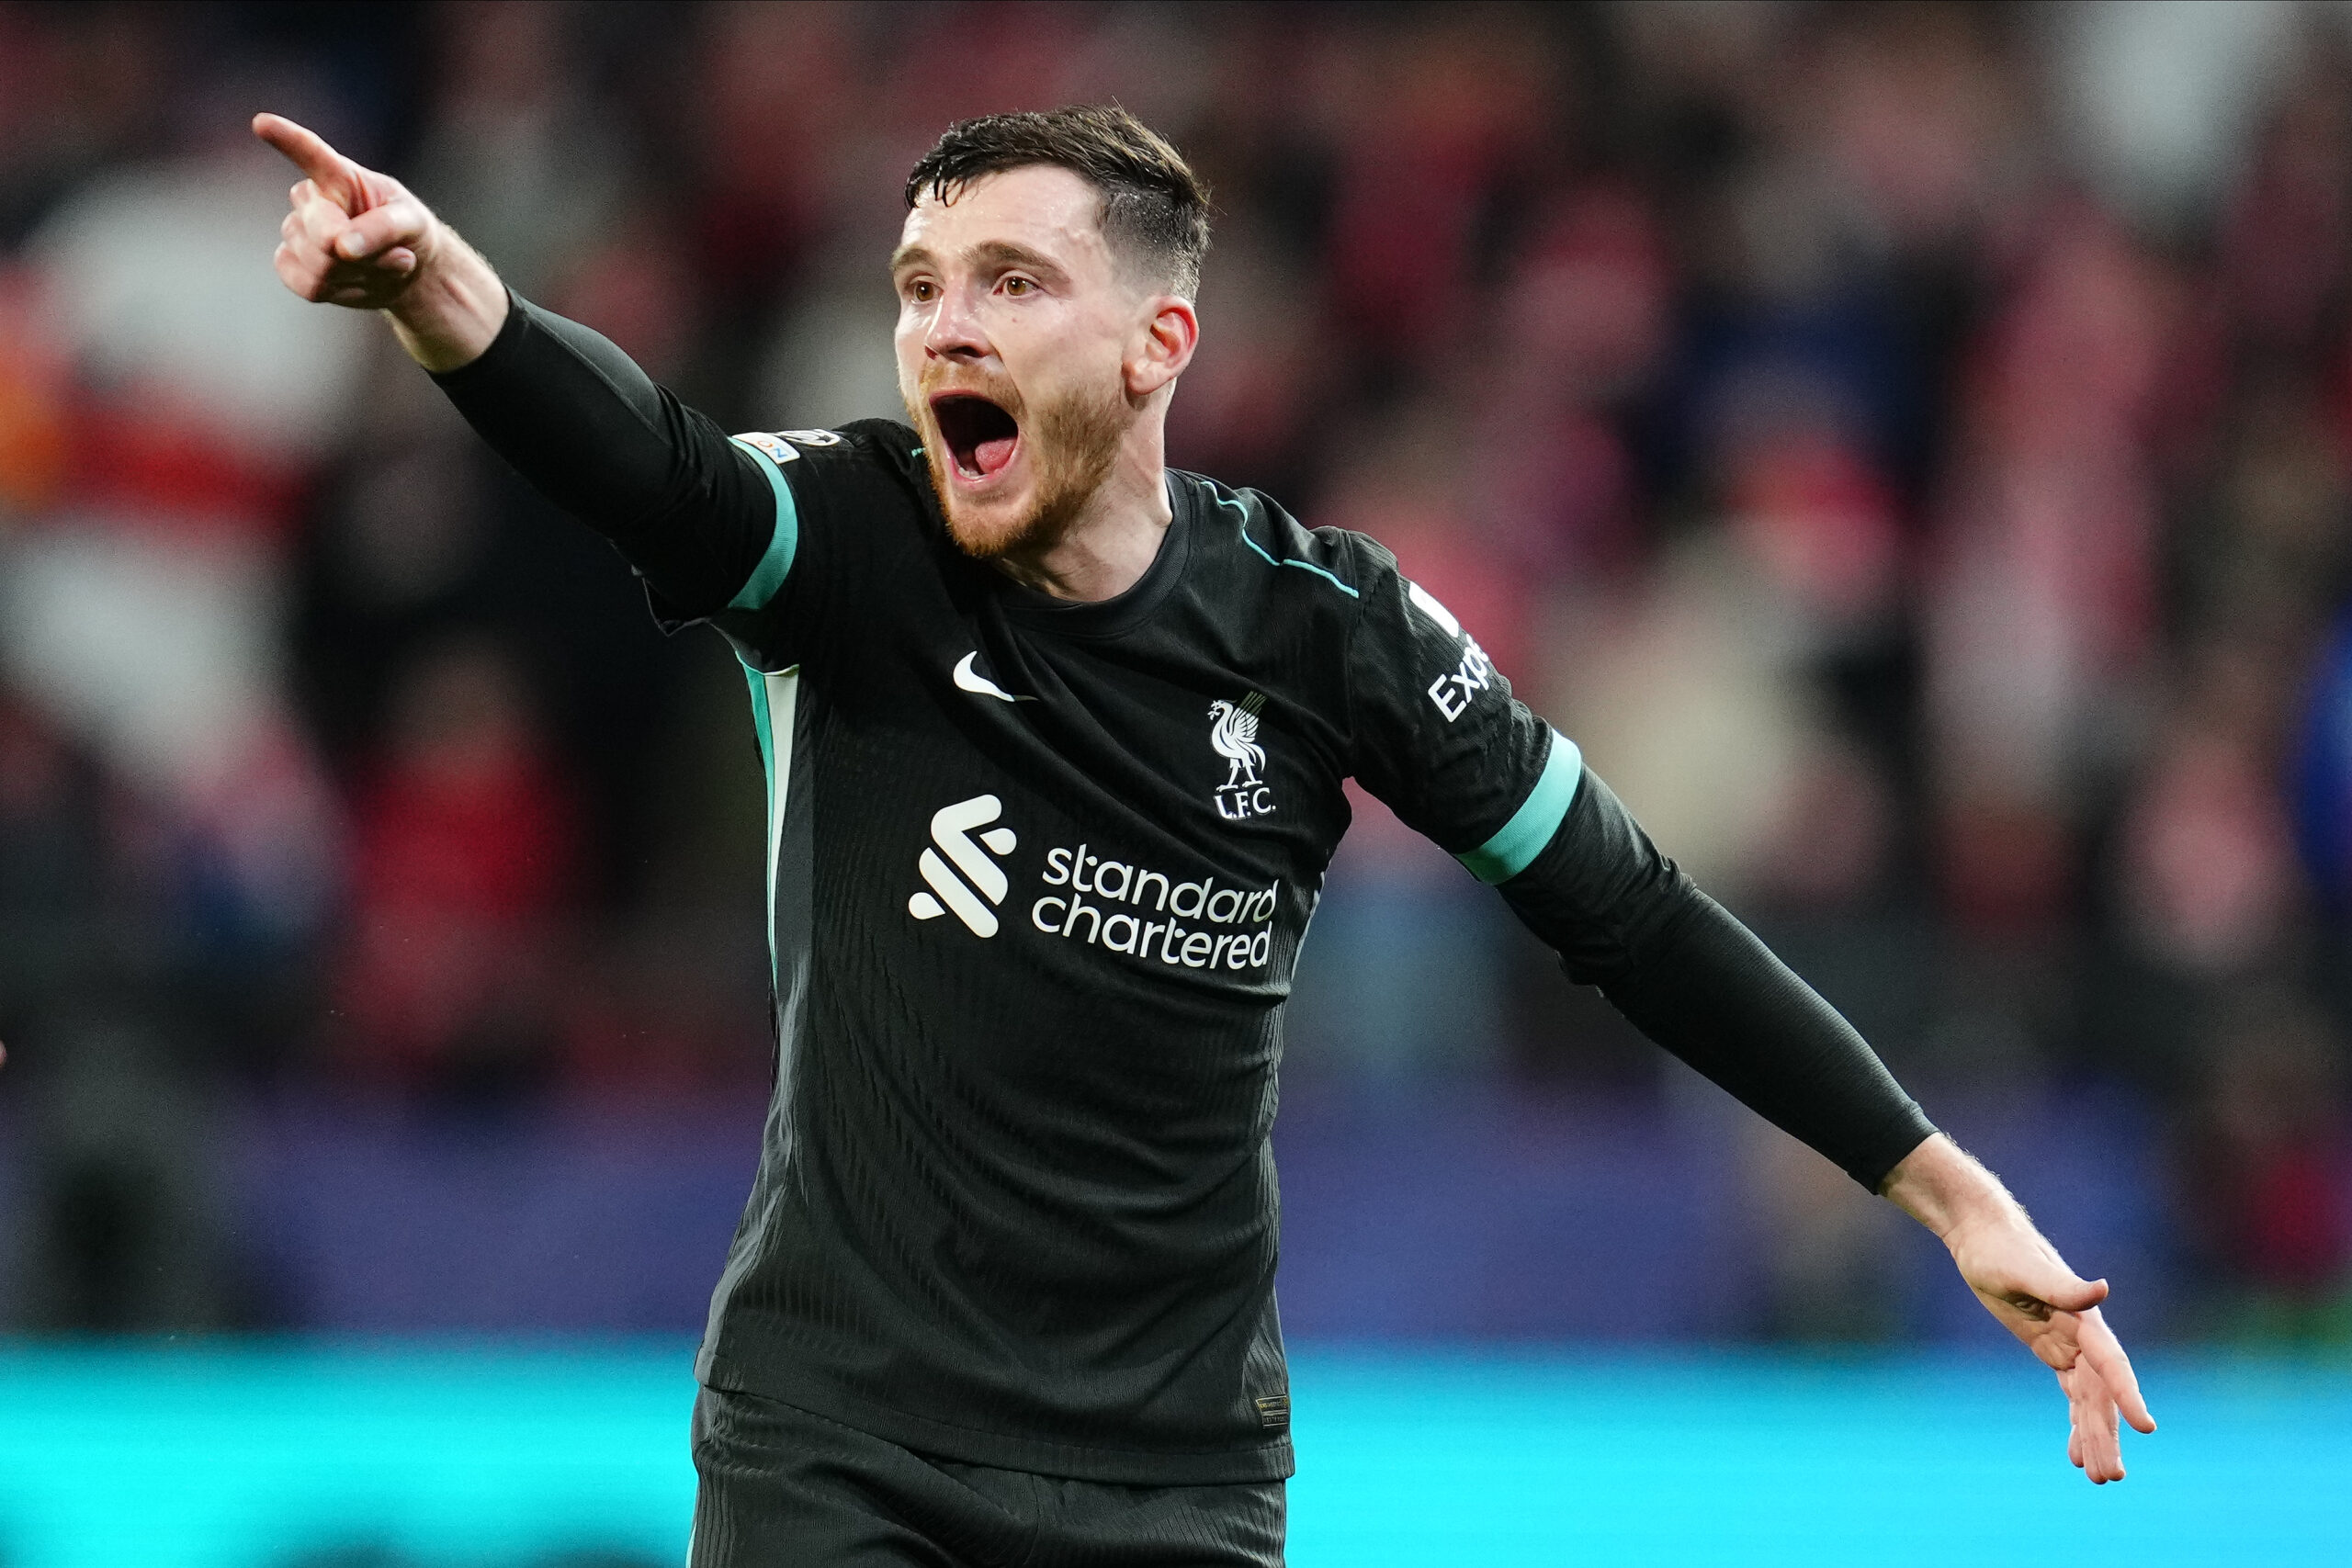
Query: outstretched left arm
[[2026, 1286], [1461, 759], [1694, 980]]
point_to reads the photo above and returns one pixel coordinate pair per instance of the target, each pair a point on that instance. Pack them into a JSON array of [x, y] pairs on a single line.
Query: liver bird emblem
[[1234, 733]]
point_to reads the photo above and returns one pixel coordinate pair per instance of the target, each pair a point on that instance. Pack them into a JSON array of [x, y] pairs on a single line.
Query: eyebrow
[[996, 253], [1004, 252]]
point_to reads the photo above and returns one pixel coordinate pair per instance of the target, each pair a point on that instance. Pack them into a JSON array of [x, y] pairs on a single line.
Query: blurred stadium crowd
[[1908, 447]]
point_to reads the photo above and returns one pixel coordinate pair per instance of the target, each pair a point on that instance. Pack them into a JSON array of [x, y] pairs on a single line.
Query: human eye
[[919, 291], [1016, 285]]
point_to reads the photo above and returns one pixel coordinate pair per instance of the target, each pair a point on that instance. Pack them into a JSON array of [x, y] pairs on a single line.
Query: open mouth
[[980, 436]]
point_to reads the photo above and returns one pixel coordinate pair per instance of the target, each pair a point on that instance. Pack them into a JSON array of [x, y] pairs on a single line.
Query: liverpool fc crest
[[1233, 730]]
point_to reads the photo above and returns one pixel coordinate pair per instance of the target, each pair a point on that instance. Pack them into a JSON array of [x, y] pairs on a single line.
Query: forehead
[[1041, 206]]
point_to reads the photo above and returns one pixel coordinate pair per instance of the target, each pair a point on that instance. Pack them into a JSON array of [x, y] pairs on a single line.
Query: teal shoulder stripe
[[1514, 849], [1285, 560], [769, 575]]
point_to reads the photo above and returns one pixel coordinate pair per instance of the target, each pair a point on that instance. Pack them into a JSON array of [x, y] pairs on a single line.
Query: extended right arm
[[691, 509]]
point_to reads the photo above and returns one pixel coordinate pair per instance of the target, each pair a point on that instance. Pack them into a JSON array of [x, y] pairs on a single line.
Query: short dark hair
[[1154, 208]]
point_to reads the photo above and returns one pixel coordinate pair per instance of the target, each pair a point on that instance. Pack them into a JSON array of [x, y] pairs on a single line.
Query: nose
[[954, 332]]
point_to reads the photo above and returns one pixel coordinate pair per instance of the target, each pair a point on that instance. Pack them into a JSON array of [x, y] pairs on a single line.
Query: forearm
[[592, 431], [1694, 980]]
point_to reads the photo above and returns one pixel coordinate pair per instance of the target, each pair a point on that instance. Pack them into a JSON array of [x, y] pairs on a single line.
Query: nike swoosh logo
[[971, 680]]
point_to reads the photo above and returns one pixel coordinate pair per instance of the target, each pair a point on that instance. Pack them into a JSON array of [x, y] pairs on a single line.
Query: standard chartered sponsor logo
[[1134, 910], [983, 879], [1147, 915]]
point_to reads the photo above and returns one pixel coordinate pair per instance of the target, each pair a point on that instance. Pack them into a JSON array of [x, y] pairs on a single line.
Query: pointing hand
[[355, 237]]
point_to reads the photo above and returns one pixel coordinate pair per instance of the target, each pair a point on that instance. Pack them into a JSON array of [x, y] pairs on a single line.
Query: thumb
[[401, 221], [2068, 1291], [329, 170]]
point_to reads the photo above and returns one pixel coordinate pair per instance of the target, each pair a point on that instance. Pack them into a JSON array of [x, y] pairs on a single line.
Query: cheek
[[907, 343], [1071, 356]]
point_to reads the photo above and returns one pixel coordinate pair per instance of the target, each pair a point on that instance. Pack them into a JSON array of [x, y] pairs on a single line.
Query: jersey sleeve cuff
[[775, 564], [492, 360], [1515, 846]]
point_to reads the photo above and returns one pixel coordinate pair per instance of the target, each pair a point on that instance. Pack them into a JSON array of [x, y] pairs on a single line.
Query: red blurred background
[[1905, 446]]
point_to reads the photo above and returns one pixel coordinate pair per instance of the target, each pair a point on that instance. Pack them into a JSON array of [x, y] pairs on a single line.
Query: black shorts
[[783, 1488]]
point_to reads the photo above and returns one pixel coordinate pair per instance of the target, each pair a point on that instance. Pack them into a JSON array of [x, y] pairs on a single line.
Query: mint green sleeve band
[[776, 564], [1514, 848]]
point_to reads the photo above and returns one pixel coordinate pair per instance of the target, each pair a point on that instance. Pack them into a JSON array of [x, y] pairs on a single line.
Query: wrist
[[1945, 1189], [453, 309]]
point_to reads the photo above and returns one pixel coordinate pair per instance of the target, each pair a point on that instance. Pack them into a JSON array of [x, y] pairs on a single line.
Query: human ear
[[1168, 337]]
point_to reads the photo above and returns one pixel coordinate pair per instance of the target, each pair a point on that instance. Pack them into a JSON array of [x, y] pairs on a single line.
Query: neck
[[1116, 534]]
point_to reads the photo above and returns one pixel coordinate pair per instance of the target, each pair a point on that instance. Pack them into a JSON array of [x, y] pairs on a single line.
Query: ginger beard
[[1071, 445]]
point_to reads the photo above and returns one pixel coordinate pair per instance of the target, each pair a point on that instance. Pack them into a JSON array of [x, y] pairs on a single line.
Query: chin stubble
[[1073, 443]]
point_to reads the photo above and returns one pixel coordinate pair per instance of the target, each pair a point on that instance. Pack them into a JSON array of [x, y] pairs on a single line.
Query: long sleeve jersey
[[1038, 873]]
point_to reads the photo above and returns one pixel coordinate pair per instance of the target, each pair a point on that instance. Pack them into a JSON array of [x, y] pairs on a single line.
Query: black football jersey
[[1038, 874]]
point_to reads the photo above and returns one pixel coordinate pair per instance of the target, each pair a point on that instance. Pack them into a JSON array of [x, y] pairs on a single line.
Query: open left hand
[[2026, 1286], [2024, 1283]]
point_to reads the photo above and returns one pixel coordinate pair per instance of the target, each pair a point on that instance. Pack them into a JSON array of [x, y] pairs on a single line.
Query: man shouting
[[1054, 739]]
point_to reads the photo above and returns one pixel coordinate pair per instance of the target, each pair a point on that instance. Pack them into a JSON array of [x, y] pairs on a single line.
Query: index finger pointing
[[328, 169]]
